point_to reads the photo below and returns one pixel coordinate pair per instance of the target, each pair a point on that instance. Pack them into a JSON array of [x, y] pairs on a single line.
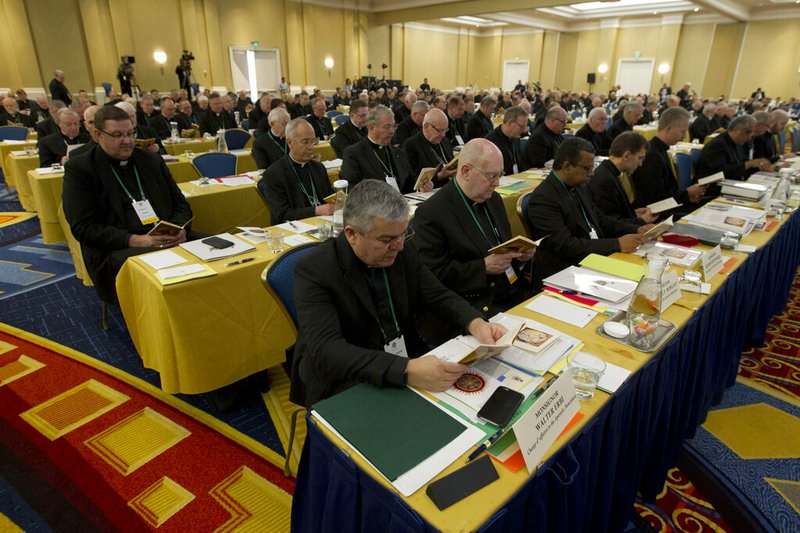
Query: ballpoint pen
[[240, 261], [546, 386], [292, 224], [482, 448]]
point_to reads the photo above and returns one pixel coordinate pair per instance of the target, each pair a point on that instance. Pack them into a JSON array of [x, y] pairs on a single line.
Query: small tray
[[664, 331]]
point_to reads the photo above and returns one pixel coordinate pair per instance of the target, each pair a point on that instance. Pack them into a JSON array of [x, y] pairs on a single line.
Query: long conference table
[[626, 442], [206, 333]]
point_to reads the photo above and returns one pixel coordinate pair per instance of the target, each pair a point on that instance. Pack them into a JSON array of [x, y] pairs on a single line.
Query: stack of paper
[[618, 267], [333, 163], [677, 255], [607, 287], [736, 219], [208, 253]]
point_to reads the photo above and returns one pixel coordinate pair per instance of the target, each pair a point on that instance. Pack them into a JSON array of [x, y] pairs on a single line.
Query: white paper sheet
[[297, 240], [612, 378], [207, 253], [163, 259], [561, 310], [235, 181], [48, 170], [295, 226]]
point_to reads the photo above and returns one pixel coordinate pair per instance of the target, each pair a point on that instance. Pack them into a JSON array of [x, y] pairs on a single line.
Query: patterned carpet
[[681, 506]]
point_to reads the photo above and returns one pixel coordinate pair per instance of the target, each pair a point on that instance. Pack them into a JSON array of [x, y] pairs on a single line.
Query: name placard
[[712, 262], [538, 428], [670, 289]]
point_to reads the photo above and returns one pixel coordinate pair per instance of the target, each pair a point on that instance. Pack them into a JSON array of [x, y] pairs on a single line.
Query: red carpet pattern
[[126, 456]]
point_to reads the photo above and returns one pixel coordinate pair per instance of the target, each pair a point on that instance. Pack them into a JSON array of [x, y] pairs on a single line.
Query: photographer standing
[[184, 71]]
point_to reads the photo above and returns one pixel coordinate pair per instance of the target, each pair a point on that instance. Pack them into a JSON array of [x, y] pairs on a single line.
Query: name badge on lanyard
[[459, 140], [397, 347], [145, 211], [515, 170], [593, 233], [511, 274], [391, 180]]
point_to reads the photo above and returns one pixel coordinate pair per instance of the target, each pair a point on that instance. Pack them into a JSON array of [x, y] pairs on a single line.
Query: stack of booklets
[[724, 217], [741, 189], [677, 255], [607, 287], [405, 436]]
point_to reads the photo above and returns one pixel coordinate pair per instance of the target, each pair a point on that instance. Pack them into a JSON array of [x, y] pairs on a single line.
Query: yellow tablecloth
[[204, 334], [47, 194], [325, 151], [197, 146], [648, 132], [16, 171], [6, 148], [219, 208]]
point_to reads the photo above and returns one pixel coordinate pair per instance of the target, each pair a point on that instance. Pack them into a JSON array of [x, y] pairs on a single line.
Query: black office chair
[[278, 280]]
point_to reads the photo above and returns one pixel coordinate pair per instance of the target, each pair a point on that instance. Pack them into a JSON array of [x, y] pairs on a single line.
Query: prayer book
[[518, 244], [163, 227]]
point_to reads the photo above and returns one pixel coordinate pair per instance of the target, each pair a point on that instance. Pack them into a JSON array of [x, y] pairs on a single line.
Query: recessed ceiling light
[[655, 12], [698, 9]]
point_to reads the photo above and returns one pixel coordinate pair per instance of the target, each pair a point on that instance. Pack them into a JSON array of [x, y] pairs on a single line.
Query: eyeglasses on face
[[491, 178], [117, 135], [388, 242], [309, 142]]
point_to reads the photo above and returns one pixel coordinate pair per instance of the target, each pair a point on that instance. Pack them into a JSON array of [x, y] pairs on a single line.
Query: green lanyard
[[475, 219], [138, 182], [443, 159], [282, 148], [389, 154], [580, 204], [391, 308], [312, 198]]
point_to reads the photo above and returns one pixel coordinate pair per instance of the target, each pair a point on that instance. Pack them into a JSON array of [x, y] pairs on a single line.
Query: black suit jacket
[[46, 127], [554, 213], [19, 118], [599, 140], [479, 126], [655, 180], [509, 148], [281, 188], [347, 135], [541, 147], [53, 147], [619, 126], [405, 130], [267, 149], [100, 214], [701, 128], [456, 126], [146, 132], [210, 122], [421, 154], [339, 342], [322, 126], [608, 194], [361, 162], [401, 112], [59, 91], [160, 124], [764, 146], [451, 245], [255, 116], [722, 154]]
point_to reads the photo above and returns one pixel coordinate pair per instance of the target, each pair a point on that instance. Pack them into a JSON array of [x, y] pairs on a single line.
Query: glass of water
[[275, 241], [585, 370]]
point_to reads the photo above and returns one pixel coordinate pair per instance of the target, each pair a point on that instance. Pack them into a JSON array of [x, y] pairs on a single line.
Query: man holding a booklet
[[655, 180], [357, 297], [114, 196], [457, 231], [431, 149], [562, 212]]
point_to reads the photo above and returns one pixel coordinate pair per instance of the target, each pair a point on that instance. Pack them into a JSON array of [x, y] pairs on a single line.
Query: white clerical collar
[[373, 142], [297, 162]]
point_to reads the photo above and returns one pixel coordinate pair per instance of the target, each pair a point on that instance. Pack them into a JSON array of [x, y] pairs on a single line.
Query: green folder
[[395, 429], [616, 267]]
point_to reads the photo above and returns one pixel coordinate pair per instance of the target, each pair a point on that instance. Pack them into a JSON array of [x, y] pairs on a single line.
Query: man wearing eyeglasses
[[375, 158], [54, 148], [114, 195], [562, 209], [455, 230], [357, 297], [88, 124], [430, 147], [352, 131], [545, 139], [506, 138], [412, 124], [318, 120], [296, 185]]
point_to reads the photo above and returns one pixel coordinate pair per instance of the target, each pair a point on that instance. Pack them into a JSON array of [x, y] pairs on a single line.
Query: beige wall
[[86, 37]]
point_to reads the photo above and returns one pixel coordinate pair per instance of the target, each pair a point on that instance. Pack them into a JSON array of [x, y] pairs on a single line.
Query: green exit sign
[[637, 54], [254, 44]]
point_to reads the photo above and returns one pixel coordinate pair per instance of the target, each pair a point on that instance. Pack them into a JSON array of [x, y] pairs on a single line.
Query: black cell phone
[[456, 486], [217, 242], [501, 406]]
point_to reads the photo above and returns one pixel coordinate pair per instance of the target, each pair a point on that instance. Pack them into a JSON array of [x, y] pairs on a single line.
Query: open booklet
[[144, 143], [518, 244], [429, 173], [656, 231], [163, 227]]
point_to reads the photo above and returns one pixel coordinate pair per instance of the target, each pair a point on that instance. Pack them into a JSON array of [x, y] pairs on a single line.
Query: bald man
[[142, 131], [88, 124], [412, 124], [430, 147], [53, 148], [594, 131], [59, 91], [454, 231], [11, 115], [545, 139]]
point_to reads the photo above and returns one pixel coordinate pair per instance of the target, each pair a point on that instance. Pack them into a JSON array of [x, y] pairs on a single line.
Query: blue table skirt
[[590, 484]]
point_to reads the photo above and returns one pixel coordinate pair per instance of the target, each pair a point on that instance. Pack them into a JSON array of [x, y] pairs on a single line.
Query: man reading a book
[[357, 297], [456, 228], [113, 195]]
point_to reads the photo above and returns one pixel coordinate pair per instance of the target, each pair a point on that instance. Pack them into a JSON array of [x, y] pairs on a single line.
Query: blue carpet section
[[68, 313], [30, 263], [746, 478], [17, 509]]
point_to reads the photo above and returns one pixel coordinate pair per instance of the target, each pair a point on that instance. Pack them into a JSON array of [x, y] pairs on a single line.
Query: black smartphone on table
[[501, 406], [217, 243]]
